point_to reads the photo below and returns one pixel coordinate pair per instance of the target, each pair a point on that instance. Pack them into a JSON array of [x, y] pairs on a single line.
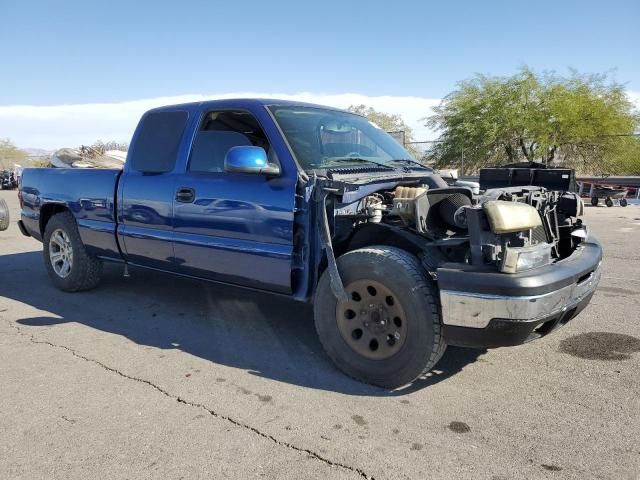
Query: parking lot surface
[[157, 377]]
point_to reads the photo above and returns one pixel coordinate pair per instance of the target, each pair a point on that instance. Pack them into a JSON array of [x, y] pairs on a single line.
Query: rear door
[[146, 190], [233, 227]]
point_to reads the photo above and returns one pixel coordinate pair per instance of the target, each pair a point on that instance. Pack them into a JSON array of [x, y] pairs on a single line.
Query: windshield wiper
[[355, 160], [407, 161]]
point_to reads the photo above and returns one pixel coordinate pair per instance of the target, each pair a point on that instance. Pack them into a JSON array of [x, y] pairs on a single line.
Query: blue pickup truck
[[322, 206]]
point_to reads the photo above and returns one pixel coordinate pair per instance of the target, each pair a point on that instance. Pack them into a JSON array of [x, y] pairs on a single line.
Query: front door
[[233, 227]]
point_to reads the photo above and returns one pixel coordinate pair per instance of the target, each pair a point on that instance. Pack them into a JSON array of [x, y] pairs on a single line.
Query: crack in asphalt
[[211, 412]]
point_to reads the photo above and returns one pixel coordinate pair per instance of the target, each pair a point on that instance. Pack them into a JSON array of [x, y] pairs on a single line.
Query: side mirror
[[246, 159]]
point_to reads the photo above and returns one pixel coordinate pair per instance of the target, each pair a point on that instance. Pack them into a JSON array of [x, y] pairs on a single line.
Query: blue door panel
[[148, 247], [99, 238], [239, 228], [260, 265], [145, 227], [233, 205]]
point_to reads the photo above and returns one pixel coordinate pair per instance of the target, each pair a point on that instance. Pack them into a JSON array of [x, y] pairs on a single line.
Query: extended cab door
[[146, 190], [233, 227]]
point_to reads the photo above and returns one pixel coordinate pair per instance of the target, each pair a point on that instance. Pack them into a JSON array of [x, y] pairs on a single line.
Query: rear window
[[156, 148]]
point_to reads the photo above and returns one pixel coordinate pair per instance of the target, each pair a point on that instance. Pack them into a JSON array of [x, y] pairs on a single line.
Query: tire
[[594, 201], [623, 202], [84, 271], [397, 274], [4, 215], [608, 202]]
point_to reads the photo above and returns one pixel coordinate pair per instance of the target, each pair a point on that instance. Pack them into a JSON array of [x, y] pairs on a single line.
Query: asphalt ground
[[159, 377]]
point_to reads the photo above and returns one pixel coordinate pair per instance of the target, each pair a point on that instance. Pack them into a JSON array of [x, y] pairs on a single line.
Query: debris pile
[[87, 157]]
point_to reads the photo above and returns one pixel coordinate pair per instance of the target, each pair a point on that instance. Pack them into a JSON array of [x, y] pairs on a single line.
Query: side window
[[219, 132], [156, 148]]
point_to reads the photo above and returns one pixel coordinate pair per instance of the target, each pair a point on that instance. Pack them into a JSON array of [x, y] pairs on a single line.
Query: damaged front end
[[512, 230], [515, 259]]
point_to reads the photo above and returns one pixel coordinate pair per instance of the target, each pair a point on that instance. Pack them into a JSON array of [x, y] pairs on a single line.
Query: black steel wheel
[[372, 322], [388, 332]]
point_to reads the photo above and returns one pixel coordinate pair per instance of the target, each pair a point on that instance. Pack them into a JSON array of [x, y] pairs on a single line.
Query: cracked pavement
[[158, 377]]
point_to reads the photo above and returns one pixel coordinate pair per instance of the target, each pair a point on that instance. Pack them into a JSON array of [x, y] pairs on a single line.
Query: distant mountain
[[37, 152]]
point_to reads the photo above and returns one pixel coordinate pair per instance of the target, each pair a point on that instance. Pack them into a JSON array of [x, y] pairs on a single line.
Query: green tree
[[581, 121], [623, 159], [10, 154], [389, 123]]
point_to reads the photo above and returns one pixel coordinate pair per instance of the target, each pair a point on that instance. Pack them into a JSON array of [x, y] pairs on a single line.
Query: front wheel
[[69, 265], [623, 202], [608, 202], [388, 333], [594, 201]]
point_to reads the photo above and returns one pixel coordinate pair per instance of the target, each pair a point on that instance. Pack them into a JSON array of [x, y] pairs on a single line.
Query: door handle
[[185, 195]]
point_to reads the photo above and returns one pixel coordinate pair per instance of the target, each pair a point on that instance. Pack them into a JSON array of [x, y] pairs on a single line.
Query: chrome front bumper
[[476, 310]]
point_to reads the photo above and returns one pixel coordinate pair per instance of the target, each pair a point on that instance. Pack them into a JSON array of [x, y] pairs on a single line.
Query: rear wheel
[[69, 265], [608, 202], [4, 215], [388, 333]]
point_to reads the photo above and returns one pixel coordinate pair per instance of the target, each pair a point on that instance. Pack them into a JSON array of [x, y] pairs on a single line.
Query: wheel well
[[47, 211], [376, 234]]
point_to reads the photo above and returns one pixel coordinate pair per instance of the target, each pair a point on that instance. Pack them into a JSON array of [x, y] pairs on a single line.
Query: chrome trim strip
[[475, 310]]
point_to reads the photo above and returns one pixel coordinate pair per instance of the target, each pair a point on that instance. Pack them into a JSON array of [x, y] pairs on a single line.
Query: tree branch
[[509, 151], [523, 148]]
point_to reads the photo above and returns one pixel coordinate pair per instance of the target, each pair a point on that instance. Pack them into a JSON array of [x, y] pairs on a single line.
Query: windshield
[[321, 137]]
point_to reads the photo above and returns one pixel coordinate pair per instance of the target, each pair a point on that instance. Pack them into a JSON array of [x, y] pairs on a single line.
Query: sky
[[75, 71]]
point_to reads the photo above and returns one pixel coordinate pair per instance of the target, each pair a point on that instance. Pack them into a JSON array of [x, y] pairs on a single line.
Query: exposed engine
[[431, 212], [560, 228], [515, 228]]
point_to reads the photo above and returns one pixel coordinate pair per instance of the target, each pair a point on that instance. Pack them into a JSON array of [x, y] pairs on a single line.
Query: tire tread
[[4, 215], [88, 268], [424, 286]]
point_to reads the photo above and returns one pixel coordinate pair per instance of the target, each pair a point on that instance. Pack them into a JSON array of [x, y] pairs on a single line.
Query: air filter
[[449, 205]]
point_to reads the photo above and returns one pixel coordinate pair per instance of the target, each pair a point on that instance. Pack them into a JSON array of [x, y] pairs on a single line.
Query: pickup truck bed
[[88, 193]]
